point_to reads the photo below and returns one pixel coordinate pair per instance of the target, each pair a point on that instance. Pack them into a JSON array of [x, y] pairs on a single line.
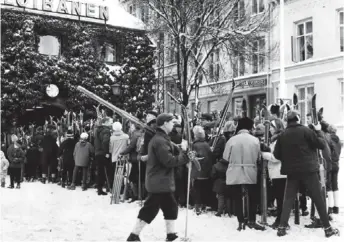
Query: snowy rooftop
[[118, 17]]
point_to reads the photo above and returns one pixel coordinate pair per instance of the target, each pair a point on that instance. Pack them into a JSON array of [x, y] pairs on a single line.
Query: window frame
[[214, 66], [305, 35], [341, 30], [258, 5], [306, 101], [59, 40], [260, 55], [103, 53], [209, 105]]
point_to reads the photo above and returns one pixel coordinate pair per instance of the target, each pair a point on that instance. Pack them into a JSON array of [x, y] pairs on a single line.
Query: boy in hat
[[66, 151], [160, 182]]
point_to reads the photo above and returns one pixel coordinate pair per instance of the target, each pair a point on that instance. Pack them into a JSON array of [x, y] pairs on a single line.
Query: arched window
[[49, 45]]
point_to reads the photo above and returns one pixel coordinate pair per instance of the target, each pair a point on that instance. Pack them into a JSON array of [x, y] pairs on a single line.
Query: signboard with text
[[68, 7]]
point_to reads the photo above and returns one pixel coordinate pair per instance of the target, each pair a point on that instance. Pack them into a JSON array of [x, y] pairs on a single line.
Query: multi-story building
[[313, 61]]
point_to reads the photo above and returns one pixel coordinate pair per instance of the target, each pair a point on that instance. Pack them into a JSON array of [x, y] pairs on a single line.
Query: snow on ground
[[40, 212]]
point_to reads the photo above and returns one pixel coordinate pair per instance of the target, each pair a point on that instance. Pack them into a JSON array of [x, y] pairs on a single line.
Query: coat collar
[[162, 133], [243, 131]]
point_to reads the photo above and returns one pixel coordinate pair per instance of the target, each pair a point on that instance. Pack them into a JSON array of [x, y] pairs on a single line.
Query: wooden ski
[[297, 199]]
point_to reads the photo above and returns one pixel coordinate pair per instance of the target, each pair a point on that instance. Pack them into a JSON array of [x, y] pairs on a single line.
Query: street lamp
[[116, 89]]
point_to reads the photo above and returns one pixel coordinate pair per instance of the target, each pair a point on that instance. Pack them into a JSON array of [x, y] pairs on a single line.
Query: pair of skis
[[120, 176]]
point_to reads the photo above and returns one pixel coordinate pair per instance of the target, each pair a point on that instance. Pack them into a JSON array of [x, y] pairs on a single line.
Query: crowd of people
[[159, 161]]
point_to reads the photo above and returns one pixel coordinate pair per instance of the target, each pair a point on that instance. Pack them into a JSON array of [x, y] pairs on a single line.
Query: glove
[[107, 155], [184, 145], [317, 127]]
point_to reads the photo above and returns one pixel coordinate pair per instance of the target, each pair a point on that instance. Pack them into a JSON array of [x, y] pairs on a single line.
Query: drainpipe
[[282, 87]]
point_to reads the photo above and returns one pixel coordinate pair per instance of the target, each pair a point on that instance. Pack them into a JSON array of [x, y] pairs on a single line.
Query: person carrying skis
[[242, 152], [296, 148], [160, 182]]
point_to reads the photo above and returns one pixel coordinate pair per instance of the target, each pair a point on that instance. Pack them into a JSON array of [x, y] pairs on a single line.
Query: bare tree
[[199, 28]]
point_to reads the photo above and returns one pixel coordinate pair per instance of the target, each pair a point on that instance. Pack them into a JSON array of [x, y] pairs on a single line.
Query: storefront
[[251, 89]]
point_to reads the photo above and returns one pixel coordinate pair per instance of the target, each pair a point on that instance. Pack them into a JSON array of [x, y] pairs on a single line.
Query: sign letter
[[90, 10], [47, 5], [76, 8], [62, 8], [22, 3]]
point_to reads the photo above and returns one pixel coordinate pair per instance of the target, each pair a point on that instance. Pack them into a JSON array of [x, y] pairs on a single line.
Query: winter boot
[[305, 213], [330, 210], [101, 192], [241, 227], [335, 210], [84, 187], [254, 225], [63, 185], [44, 179], [133, 237], [18, 186], [281, 231], [71, 187], [275, 224], [331, 231], [315, 224], [2, 184], [171, 237]]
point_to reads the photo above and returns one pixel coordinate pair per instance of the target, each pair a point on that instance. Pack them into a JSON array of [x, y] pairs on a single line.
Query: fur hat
[[84, 136], [245, 123], [116, 126]]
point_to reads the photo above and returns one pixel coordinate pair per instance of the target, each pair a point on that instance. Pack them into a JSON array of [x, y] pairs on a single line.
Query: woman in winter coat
[[16, 158], [202, 182], [218, 173], [83, 152], [332, 193], [274, 167], [3, 168]]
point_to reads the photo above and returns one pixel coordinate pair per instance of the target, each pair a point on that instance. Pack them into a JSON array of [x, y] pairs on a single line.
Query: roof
[[118, 17]]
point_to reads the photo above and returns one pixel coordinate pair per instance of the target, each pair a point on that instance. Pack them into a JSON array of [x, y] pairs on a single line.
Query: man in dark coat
[[160, 182], [49, 155], [296, 148], [102, 153], [66, 151]]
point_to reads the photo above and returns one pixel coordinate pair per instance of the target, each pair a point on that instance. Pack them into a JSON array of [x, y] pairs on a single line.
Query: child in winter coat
[[218, 173], [16, 157], [82, 153], [4, 166], [202, 182]]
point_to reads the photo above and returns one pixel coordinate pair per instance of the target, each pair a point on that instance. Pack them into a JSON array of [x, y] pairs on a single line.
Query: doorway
[[256, 103]]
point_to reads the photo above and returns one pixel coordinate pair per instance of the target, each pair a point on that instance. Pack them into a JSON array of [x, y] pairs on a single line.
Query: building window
[[214, 66], [172, 51], [237, 106], [258, 6], [258, 57], [109, 53], [305, 94], [342, 96], [132, 9], [212, 106], [49, 45], [341, 30], [304, 40]]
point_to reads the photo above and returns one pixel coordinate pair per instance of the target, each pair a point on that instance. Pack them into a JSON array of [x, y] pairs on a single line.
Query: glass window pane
[[341, 38], [261, 6], [254, 6], [341, 17], [242, 65], [309, 27], [109, 53], [49, 45], [310, 91], [309, 45], [300, 29], [302, 94], [301, 48], [255, 63]]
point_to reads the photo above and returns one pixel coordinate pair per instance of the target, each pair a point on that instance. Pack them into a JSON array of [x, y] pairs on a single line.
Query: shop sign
[[68, 7], [252, 83]]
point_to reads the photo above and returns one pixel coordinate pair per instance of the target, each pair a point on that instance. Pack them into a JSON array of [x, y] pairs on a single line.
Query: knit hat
[[84, 136], [260, 130], [151, 117], [70, 134], [162, 118], [292, 114], [116, 126], [229, 127]]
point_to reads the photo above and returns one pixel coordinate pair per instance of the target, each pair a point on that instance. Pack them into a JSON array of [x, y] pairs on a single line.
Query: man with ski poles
[[160, 181], [296, 148]]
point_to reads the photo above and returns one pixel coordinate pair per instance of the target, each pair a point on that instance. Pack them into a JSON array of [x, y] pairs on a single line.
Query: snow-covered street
[[40, 212]]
